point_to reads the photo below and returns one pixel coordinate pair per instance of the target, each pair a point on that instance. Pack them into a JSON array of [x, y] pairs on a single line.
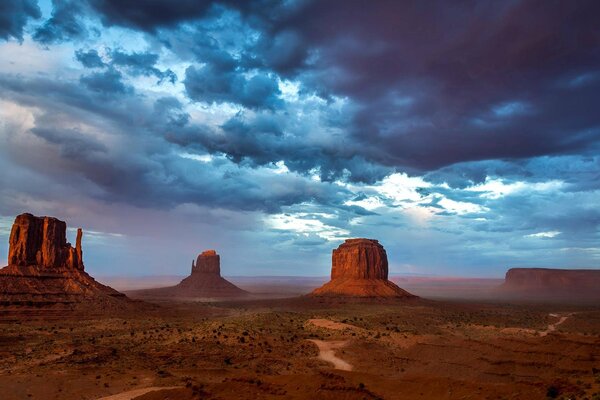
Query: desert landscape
[[358, 336], [299, 199]]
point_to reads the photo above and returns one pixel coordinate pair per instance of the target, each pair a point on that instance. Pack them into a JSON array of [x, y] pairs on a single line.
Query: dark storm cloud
[[71, 142], [142, 63], [153, 175], [134, 64], [14, 15], [64, 24], [148, 15], [172, 111], [433, 92], [427, 92], [89, 59], [266, 139], [108, 82], [211, 85]]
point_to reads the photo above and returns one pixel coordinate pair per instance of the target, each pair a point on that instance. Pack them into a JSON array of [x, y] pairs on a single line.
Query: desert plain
[[270, 349]]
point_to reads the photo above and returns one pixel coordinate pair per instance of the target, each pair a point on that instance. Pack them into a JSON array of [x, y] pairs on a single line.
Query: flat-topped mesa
[[42, 242], [359, 268], [208, 262], [552, 283], [359, 259]]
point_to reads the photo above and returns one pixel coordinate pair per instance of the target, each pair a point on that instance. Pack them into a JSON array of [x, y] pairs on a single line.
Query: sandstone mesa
[[359, 268]]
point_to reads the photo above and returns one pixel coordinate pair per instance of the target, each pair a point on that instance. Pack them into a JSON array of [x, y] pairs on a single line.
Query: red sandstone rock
[[42, 241], [208, 262], [359, 259], [360, 269], [549, 284], [43, 267], [205, 281]]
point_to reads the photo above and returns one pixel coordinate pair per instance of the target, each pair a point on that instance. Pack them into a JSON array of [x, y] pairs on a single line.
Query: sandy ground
[[328, 324], [132, 394], [302, 349]]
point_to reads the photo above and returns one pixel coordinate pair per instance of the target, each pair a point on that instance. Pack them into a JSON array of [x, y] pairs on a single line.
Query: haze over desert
[[299, 199]]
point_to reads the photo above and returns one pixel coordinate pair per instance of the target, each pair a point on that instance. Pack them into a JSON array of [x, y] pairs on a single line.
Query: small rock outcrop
[[359, 268], [552, 284], [205, 281], [43, 268]]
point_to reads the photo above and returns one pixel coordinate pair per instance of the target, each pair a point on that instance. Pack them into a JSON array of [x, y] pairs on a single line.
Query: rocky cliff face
[[43, 268], [42, 242], [559, 284], [208, 262], [359, 268], [359, 259]]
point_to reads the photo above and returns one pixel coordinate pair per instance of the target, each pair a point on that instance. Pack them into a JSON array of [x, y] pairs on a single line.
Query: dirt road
[[326, 353], [132, 394]]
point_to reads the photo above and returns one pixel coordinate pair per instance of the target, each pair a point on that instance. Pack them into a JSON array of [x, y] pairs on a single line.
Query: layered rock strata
[[43, 268], [359, 268]]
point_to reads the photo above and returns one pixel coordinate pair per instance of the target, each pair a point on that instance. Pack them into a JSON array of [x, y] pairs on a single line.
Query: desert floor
[[303, 348]]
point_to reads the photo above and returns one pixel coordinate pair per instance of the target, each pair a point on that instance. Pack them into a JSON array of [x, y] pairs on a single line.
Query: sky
[[464, 136]]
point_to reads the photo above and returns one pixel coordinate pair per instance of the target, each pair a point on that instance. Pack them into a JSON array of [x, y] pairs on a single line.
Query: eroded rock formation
[[552, 284], [42, 241], [208, 262], [43, 268], [359, 268], [205, 281]]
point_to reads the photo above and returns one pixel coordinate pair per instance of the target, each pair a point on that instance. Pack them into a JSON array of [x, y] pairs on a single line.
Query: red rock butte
[[205, 281], [359, 268], [43, 268]]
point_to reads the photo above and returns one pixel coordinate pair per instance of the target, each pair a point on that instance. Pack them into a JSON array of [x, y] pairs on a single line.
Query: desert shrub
[[552, 392]]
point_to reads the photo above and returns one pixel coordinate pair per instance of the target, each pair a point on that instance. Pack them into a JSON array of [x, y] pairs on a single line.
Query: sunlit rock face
[[359, 259], [360, 269], [208, 262], [42, 241], [43, 268]]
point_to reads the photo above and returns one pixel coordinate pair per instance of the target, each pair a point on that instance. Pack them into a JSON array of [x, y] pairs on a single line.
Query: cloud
[[14, 15], [108, 82], [142, 63], [209, 85], [64, 24], [377, 60], [89, 59], [148, 15], [544, 235]]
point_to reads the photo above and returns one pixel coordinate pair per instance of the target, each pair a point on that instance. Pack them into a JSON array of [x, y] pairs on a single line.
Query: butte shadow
[[360, 269], [205, 281], [45, 270]]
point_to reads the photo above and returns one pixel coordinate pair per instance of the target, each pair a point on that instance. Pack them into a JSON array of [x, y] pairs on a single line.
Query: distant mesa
[[43, 268], [552, 284], [360, 269], [205, 281]]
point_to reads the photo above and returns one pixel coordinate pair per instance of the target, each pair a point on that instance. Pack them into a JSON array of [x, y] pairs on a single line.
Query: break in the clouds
[[465, 136]]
